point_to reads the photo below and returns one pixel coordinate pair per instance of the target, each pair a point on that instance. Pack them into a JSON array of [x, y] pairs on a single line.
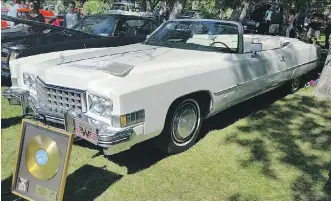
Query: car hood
[[119, 66], [19, 42], [13, 32]]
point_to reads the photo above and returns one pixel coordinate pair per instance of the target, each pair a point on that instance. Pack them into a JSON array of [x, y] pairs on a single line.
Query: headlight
[[30, 81], [257, 24], [99, 105]]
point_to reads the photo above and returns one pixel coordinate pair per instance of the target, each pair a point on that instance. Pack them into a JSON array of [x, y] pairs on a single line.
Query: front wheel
[[182, 127]]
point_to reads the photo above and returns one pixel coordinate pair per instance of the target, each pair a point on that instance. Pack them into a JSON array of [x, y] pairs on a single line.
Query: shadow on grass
[[139, 157], [303, 189], [86, 144], [276, 125], [6, 123], [88, 183], [6, 194], [253, 107], [240, 197]]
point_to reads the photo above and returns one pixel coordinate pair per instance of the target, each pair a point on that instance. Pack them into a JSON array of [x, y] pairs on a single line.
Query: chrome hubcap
[[296, 83], [185, 122]]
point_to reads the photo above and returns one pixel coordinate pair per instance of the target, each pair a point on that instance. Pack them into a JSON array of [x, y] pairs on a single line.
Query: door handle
[[282, 58]]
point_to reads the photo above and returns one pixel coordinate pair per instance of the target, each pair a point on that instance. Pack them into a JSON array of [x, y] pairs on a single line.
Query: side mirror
[[255, 47]]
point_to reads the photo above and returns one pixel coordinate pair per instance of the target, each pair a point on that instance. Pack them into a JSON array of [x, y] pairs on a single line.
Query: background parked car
[[255, 23], [91, 32]]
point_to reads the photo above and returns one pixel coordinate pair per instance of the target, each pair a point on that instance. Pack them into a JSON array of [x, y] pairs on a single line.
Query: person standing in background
[[4, 7], [290, 22], [315, 26], [34, 13], [156, 14], [267, 16], [71, 18], [276, 21], [301, 21], [13, 11], [161, 15], [167, 14]]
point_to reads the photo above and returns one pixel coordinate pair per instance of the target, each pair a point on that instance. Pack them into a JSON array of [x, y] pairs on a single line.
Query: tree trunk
[[323, 88], [171, 4], [184, 2]]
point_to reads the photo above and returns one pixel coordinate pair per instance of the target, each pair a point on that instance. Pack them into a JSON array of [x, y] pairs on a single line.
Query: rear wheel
[[182, 126], [295, 84]]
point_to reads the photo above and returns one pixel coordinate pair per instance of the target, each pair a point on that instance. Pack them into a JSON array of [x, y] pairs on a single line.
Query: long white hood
[[127, 65]]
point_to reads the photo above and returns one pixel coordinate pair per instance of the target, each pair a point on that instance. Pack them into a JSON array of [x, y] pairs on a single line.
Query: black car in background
[[30, 37], [255, 22], [187, 14]]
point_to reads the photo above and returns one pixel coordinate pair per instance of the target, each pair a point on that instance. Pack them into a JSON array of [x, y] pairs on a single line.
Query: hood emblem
[[62, 58]]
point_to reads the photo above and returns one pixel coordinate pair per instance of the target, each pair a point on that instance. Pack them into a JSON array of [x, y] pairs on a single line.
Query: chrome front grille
[[57, 100]]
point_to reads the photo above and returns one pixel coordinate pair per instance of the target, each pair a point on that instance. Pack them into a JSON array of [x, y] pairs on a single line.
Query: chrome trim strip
[[225, 90], [249, 96], [311, 61], [257, 93]]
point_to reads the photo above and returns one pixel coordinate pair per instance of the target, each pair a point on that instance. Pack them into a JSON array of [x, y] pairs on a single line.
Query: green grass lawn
[[273, 147]]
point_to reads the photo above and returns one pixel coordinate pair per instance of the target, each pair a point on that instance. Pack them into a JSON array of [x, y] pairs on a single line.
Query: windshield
[[97, 25], [196, 35]]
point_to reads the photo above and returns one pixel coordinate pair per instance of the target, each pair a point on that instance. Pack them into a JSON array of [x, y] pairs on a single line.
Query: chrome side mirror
[[255, 48]]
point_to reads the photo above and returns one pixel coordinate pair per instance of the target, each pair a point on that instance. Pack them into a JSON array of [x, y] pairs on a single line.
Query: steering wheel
[[221, 43]]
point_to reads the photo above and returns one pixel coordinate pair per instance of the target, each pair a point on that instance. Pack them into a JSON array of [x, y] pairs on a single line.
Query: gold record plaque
[[42, 162], [42, 157]]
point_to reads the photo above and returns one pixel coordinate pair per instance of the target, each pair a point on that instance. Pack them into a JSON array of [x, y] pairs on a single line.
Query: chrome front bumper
[[112, 142], [13, 95]]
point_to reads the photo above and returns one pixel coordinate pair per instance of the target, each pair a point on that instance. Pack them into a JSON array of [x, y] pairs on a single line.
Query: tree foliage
[[95, 7], [153, 3]]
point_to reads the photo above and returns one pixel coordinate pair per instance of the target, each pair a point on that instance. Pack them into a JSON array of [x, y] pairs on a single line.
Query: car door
[[257, 73], [249, 70], [275, 63]]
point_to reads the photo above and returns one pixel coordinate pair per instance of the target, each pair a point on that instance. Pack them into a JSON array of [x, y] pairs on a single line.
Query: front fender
[[156, 99]]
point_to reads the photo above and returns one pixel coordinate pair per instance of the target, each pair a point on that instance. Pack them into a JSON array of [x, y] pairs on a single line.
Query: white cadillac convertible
[[186, 71]]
